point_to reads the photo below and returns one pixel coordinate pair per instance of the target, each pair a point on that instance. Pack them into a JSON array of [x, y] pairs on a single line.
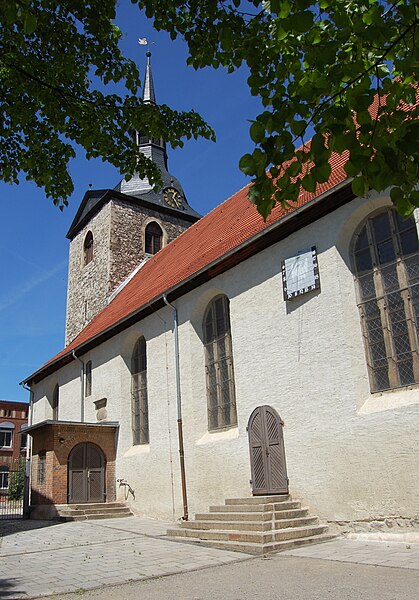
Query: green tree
[[17, 480], [315, 65], [342, 72], [55, 57]]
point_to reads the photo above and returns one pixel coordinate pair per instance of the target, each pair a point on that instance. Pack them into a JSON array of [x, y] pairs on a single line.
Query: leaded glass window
[[139, 403], [219, 365], [386, 260]]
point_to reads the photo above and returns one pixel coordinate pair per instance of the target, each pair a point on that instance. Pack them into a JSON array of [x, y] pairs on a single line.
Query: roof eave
[[311, 211]]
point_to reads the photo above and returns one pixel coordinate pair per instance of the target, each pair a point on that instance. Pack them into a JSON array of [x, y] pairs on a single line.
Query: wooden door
[[267, 453], [86, 474]]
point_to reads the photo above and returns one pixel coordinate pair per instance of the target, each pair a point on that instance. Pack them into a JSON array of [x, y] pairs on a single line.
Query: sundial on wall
[[300, 274]]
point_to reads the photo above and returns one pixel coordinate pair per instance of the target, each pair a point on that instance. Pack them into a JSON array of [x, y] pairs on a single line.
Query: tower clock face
[[172, 197]]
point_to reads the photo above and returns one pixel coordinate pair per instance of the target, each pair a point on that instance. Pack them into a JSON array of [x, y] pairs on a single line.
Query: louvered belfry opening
[[86, 474], [139, 401], [267, 452], [219, 365], [386, 261]]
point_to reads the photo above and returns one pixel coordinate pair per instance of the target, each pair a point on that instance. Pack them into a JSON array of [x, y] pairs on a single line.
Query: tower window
[[153, 238], [88, 248]]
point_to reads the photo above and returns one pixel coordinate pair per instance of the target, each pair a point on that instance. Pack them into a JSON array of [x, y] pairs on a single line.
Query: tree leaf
[[360, 186], [247, 164], [30, 23]]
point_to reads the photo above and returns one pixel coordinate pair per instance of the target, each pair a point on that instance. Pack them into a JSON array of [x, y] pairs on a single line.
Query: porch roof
[[50, 422]]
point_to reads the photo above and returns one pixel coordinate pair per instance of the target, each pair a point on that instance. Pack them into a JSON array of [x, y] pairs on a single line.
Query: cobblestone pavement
[[77, 556], [40, 558]]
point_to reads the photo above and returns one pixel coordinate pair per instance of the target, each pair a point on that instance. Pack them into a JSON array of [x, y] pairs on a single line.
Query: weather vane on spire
[[145, 42]]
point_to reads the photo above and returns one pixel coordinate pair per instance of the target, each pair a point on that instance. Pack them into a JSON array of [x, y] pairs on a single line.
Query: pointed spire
[[148, 90]]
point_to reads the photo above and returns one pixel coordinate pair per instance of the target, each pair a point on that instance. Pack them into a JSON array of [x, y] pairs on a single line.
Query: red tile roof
[[229, 225]]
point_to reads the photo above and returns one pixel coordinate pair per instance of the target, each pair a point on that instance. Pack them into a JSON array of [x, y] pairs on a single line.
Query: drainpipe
[[179, 410], [26, 498], [81, 386]]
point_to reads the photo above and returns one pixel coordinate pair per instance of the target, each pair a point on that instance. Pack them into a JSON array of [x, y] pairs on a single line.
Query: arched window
[[386, 261], [139, 394], [219, 365], [153, 238], [55, 402], [88, 248]]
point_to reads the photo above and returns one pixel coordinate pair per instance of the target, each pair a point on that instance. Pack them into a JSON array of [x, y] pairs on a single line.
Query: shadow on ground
[[9, 526], [9, 588]]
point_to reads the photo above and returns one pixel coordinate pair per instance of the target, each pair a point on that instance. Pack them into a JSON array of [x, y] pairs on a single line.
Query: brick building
[[12, 442]]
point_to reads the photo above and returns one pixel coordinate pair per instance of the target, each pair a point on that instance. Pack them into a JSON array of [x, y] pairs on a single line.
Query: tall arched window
[[219, 365], [153, 238], [88, 248], [55, 402], [386, 261], [139, 394]]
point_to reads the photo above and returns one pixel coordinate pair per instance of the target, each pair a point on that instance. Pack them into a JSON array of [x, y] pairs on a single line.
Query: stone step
[[91, 517], [250, 525], [93, 513], [92, 510], [259, 549], [286, 505], [258, 537], [252, 516], [259, 499], [88, 505]]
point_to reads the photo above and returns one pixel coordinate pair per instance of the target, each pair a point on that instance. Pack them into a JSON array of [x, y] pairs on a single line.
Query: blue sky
[[33, 246]]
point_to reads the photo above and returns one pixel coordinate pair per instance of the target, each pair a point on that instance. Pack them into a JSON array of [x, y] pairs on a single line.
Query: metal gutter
[[179, 408]]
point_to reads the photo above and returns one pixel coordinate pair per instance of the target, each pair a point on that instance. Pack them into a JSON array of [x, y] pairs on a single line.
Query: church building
[[228, 357]]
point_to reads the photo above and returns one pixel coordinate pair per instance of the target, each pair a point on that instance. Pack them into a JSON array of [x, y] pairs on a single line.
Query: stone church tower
[[115, 231]]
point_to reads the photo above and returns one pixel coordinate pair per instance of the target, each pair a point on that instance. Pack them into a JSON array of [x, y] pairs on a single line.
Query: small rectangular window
[[42, 459], [88, 381], [5, 438], [4, 478], [23, 440]]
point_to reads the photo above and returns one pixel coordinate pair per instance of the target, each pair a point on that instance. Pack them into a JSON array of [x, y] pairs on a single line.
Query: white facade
[[352, 455]]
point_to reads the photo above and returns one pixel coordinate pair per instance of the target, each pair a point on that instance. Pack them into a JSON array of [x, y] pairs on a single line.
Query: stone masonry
[[118, 248]]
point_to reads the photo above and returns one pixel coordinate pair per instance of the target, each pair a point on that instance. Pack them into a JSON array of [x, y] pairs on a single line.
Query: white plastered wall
[[351, 455]]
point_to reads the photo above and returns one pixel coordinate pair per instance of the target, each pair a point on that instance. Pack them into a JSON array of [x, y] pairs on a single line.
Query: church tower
[[115, 231]]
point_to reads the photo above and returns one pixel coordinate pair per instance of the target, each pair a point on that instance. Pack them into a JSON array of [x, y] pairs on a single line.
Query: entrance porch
[[71, 463]]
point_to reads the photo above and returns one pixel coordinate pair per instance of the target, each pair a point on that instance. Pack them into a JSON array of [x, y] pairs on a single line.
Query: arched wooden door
[[267, 453], [86, 474]]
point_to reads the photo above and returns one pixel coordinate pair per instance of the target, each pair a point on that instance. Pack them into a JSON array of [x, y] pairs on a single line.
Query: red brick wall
[[16, 413], [47, 438]]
